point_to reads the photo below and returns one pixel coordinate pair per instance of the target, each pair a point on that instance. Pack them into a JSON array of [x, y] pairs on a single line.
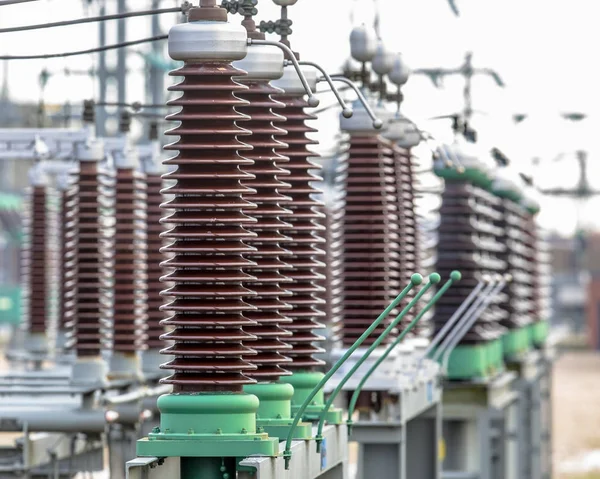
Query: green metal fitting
[[207, 425], [475, 176], [274, 414], [433, 278], [304, 382], [416, 278]]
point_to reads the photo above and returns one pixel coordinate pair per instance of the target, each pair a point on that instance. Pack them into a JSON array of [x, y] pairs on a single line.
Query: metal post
[[101, 111], [121, 54]]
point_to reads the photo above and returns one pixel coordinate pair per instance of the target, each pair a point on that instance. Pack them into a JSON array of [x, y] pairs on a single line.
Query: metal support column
[[479, 421]]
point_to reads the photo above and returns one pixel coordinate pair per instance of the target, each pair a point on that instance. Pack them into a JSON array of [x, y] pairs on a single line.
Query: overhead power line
[[85, 52], [11, 2], [78, 21]]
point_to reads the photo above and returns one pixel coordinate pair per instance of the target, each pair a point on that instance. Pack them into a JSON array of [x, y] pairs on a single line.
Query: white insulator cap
[[37, 175], [400, 71], [153, 165], [91, 150], [403, 132], [290, 81], [284, 3], [396, 128], [363, 44], [361, 122], [262, 62], [383, 61], [208, 40], [63, 179]]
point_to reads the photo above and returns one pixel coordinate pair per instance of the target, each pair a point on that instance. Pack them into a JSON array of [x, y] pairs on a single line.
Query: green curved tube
[[454, 276], [287, 453], [433, 279]]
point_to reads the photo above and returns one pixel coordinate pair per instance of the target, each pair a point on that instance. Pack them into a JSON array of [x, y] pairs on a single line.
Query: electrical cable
[[101, 18], [84, 52], [11, 2]]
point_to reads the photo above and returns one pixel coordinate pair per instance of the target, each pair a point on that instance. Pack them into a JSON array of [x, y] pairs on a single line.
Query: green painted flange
[[469, 361], [516, 343], [280, 428], [207, 425], [471, 175], [540, 331], [304, 382], [513, 195], [274, 414]]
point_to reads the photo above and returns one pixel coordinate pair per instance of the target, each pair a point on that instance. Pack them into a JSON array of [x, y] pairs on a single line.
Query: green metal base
[[207, 425], [514, 196], [496, 357], [539, 332], [473, 361], [280, 428], [10, 304], [304, 382], [517, 342]]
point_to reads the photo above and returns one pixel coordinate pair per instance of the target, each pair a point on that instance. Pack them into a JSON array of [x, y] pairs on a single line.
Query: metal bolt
[[219, 430], [155, 430], [244, 430]]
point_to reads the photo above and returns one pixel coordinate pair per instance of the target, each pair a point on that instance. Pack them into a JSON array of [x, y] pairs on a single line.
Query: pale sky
[[543, 49]]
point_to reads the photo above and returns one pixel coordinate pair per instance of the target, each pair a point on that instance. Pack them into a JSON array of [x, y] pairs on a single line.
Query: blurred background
[[536, 99]]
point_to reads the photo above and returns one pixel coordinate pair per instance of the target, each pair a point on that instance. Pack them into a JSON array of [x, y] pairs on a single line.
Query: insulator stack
[[68, 258], [540, 270], [518, 258], [306, 239], [95, 258], [270, 255], [154, 260], [207, 298], [37, 261], [467, 242], [130, 279], [368, 221], [331, 294], [407, 227]]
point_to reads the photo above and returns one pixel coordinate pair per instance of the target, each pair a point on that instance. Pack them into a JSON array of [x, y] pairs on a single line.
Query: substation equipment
[[222, 265]]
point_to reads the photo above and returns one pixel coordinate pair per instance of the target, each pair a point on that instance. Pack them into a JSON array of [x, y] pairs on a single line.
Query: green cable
[[434, 278], [454, 276], [415, 279]]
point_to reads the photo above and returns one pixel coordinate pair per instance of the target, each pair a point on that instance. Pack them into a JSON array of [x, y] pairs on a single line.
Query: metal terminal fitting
[[346, 111], [309, 85], [364, 119], [363, 44], [377, 123]]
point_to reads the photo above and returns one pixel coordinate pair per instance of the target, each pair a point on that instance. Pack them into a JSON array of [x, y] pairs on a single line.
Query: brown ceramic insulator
[[130, 278], [270, 213], [37, 261], [154, 259], [468, 241], [305, 233], [207, 299], [368, 222], [93, 251], [67, 257]]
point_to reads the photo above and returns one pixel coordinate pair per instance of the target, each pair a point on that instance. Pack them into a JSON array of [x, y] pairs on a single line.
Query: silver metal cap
[[363, 44], [383, 61], [290, 81], [91, 150], [361, 122], [400, 71], [205, 40], [262, 62], [37, 175]]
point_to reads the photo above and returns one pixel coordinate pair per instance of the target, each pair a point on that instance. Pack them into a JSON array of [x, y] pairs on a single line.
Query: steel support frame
[[480, 420]]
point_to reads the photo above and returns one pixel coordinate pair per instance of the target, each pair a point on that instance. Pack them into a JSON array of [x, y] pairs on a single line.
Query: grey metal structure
[[306, 463], [534, 434], [479, 428]]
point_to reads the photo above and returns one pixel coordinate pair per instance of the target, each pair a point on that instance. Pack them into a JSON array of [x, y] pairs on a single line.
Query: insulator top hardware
[[383, 61], [124, 121], [89, 114], [262, 62], [400, 72], [363, 44], [205, 39], [153, 131]]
